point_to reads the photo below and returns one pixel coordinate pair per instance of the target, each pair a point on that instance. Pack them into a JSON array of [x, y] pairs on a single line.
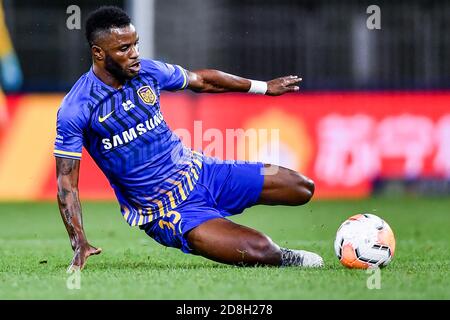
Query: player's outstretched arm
[[214, 81], [67, 172]]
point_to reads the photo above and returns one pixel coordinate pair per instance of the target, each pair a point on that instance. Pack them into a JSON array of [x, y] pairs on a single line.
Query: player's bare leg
[[227, 242], [224, 241], [285, 187]]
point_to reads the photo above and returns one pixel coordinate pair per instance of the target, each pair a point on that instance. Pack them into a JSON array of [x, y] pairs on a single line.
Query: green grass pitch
[[35, 252]]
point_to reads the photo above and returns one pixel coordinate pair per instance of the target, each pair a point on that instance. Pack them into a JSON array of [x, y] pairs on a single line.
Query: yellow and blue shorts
[[225, 188]]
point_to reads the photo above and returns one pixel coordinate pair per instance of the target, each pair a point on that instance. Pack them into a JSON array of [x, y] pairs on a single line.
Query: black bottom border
[[215, 309]]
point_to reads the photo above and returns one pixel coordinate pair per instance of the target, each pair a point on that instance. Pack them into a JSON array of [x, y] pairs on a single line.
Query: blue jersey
[[124, 131]]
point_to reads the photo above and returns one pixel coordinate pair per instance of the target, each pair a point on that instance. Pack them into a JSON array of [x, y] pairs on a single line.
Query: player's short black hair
[[103, 19]]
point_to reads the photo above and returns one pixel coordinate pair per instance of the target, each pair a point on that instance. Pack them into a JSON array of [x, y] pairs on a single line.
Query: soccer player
[[178, 196]]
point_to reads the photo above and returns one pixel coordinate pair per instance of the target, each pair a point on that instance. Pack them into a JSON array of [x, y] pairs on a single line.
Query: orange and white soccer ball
[[364, 241]]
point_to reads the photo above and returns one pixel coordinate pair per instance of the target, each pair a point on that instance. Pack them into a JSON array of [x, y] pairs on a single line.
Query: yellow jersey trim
[[66, 153]]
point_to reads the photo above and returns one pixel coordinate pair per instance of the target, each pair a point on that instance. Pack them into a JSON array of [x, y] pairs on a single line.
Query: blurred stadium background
[[374, 105], [373, 116]]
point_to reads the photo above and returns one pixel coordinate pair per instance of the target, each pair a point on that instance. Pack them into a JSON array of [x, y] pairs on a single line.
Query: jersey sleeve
[[70, 125], [171, 77]]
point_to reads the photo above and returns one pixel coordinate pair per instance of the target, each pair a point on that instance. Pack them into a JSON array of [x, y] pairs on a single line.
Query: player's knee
[[310, 187], [305, 190]]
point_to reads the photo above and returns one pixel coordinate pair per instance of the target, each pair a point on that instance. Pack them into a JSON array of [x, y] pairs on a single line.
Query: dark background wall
[[326, 42]]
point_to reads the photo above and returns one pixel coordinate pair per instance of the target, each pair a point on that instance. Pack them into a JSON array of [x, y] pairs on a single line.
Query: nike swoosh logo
[[103, 119]]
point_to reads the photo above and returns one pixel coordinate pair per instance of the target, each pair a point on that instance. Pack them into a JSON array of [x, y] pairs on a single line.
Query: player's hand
[[283, 85], [82, 253]]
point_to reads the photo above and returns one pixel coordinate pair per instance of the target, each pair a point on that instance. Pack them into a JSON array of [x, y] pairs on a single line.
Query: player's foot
[[300, 258]]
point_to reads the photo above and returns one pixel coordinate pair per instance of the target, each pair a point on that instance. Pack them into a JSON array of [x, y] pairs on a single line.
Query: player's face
[[122, 52]]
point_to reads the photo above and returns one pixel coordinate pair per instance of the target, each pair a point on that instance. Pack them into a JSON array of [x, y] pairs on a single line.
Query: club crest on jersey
[[147, 95]]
